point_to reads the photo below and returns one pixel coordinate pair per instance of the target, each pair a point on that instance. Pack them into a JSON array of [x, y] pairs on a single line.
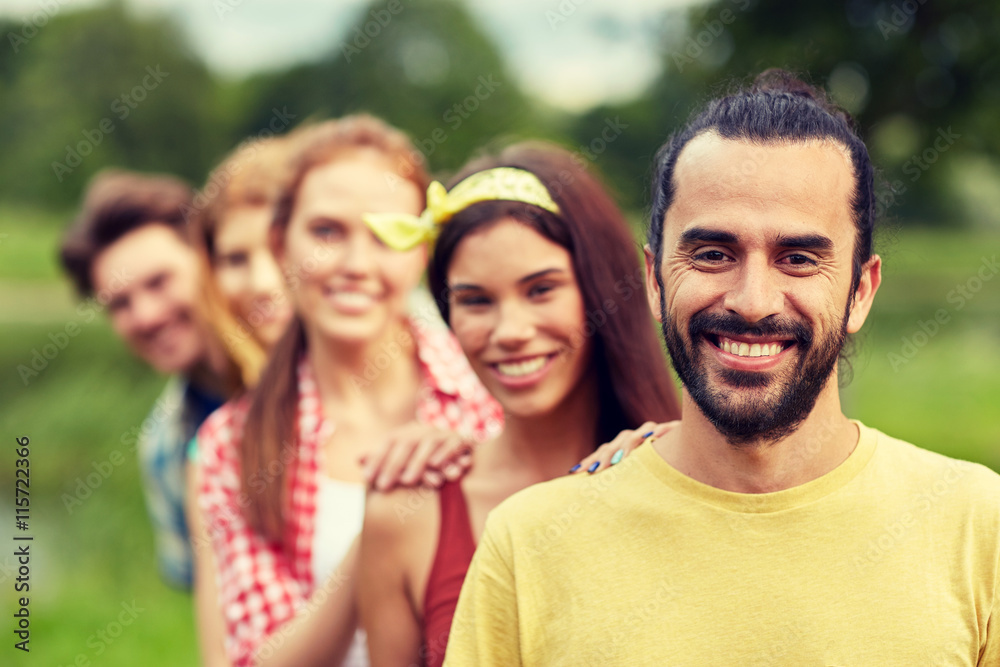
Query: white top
[[340, 511]]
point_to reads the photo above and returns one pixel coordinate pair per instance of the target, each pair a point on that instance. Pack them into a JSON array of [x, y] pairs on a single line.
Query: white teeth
[[353, 299], [750, 350], [519, 368]]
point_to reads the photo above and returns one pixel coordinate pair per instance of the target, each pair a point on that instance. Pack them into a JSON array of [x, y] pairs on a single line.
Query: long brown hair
[[632, 374], [270, 438], [253, 175]]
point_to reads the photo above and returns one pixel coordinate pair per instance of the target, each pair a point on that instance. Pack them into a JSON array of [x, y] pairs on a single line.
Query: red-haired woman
[[537, 274], [282, 493]]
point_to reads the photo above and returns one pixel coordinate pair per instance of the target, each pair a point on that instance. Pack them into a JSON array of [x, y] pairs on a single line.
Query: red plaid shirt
[[261, 585]]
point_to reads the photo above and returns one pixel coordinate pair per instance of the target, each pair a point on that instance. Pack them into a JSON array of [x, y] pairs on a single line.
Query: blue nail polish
[[593, 466], [575, 468], [647, 435], [618, 456]]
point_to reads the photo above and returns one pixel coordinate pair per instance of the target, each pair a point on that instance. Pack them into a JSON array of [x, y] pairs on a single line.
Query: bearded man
[[768, 528]]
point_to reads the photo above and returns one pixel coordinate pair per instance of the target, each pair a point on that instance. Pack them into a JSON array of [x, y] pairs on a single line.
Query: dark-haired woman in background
[[528, 252]]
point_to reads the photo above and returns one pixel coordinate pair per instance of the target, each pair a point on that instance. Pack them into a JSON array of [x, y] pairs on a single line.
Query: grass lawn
[[942, 393]]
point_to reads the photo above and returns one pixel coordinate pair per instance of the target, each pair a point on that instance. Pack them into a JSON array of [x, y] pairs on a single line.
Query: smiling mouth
[[350, 299], [522, 367], [743, 348]]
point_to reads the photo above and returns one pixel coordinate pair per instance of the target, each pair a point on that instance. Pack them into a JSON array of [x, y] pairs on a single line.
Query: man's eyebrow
[[703, 235], [806, 242]]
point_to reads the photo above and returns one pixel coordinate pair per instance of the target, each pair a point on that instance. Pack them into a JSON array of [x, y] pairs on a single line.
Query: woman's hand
[[417, 454], [624, 443]]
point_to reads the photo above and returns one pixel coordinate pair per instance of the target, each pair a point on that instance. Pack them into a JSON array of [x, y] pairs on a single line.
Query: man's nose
[[756, 293]]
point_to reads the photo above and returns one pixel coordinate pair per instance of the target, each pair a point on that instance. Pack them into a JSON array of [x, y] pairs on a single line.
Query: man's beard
[[753, 407]]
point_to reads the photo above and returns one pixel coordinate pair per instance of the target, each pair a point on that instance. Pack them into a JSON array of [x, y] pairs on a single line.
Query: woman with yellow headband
[[537, 274]]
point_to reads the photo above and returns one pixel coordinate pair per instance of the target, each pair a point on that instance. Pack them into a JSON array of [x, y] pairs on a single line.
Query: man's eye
[[800, 260], [711, 256], [157, 282]]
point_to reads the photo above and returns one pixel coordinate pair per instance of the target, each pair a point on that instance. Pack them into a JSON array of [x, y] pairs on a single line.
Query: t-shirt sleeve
[[989, 656], [485, 629]]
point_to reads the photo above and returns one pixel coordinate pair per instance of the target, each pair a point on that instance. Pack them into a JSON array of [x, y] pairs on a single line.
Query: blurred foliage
[[90, 67], [428, 69], [908, 71]]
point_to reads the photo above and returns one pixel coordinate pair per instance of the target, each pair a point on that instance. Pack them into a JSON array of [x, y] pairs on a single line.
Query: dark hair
[[115, 203], [633, 378], [777, 107], [270, 431]]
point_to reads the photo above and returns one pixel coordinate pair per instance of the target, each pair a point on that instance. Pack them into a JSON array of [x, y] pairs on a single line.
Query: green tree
[[426, 67], [97, 88], [921, 79]]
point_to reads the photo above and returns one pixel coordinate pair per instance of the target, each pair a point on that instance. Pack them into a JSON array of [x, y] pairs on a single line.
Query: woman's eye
[[234, 259], [328, 232], [472, 301], [539, 290]]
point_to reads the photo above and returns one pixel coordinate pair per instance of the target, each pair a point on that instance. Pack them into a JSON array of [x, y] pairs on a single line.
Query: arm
[[268, 618], [208, 616], [485, 631], [387, 614]]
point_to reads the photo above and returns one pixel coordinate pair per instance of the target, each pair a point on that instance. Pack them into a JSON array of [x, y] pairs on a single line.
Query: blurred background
[[172, 85]]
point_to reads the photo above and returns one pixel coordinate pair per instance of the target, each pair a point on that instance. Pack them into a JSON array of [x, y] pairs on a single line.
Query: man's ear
[[652, 284], [864, 295]]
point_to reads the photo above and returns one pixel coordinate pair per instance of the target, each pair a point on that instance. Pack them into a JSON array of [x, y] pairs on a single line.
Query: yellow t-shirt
[[890, 559]]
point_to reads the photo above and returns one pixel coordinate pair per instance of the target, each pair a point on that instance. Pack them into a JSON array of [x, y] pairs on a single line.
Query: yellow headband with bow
[[403, 232]]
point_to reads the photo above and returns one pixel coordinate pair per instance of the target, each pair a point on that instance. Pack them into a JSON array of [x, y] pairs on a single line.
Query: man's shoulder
[[938, 474], [538, 497], [571, 496]]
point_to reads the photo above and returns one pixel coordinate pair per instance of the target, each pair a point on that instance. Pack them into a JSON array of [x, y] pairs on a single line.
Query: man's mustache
[[731, 324]]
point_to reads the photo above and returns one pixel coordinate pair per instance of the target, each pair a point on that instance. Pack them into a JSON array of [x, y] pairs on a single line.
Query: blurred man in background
[[128, 250]]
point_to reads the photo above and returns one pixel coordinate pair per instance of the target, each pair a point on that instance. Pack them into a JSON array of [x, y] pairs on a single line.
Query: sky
[[571, 54]]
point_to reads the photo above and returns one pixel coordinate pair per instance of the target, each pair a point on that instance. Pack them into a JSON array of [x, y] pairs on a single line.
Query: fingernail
[[617, 457], [594, 466], [575, 468], [647, 435]]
